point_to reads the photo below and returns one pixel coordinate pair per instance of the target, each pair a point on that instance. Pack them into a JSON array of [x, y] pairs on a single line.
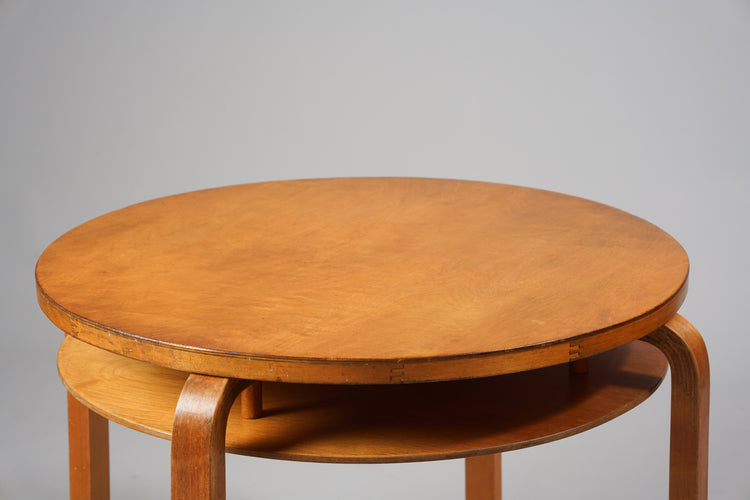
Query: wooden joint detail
[[398, 373], [574, 351], [75, 327]]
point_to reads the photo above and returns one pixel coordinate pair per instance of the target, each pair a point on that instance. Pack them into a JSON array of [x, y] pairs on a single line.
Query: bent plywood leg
[[88, 448], [688, 361], [198, 433], [483, 477]]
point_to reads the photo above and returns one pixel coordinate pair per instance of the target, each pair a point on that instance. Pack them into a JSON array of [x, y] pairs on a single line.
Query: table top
[[362, 280]]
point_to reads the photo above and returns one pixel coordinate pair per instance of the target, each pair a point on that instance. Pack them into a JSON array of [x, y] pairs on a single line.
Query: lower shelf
[[386, 423]]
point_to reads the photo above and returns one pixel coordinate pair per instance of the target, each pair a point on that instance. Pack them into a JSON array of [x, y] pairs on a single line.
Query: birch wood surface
[[484, 477], [374, 424], [353, 281], [88, 452], [691, 388]]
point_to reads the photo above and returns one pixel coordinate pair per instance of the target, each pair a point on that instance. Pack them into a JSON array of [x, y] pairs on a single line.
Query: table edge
[[360, 371]]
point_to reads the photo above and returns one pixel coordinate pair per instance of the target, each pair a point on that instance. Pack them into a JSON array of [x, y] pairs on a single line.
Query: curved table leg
[[483, 477], [688, 361], [88, 449], [198, 434]]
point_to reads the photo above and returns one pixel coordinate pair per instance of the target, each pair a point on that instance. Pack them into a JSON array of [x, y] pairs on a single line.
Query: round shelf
[[380, 423]]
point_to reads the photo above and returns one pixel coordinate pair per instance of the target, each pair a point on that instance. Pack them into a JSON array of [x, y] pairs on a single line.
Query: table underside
[[380, 423]]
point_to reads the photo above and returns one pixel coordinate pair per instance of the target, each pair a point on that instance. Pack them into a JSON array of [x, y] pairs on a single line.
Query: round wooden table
[[371, 281]]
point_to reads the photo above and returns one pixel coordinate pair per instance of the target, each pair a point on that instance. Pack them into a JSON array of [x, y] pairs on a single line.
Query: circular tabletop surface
[[362, 280]]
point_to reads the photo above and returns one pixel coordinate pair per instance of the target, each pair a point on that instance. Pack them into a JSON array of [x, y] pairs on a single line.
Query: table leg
[[198, 435], [88, 448], [688, 361], [251, 400], [483, 477]]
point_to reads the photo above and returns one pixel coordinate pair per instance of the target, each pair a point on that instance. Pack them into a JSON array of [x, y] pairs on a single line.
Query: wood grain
[[88, 448], [390, 423], [356, 281], [688, 361], [251, 400], [198, 435], [484, 477]]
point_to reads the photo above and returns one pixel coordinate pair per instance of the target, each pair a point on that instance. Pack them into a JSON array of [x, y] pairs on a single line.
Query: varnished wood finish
[[198, 435], [391, 423], [88, 448], [484, 477], [579, 366], [356, 281], [252, 400], [688, 361]]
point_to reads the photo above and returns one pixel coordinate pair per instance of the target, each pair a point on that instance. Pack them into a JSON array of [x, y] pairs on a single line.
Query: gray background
[[642, 105]]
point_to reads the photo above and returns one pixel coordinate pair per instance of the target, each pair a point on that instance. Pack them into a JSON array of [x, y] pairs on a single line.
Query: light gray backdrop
[[644, 105]]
